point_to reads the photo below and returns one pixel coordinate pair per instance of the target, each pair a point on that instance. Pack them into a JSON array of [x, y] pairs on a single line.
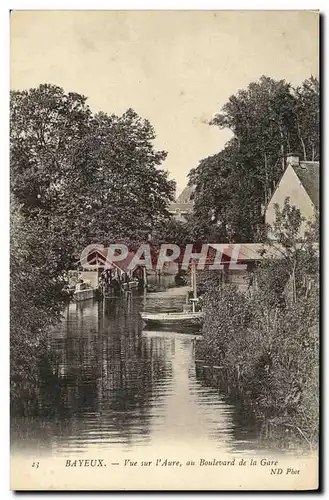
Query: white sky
[[176, 68]]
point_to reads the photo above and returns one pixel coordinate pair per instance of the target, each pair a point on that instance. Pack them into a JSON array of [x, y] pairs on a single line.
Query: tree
[[266, 343], [46, 127], [172, 231], [91, 178], [226, 205], [119, 189], [36, 301], [262, 120], [307, 114]]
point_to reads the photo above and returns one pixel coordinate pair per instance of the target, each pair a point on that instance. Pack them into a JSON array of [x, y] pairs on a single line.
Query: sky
[[175, 68]]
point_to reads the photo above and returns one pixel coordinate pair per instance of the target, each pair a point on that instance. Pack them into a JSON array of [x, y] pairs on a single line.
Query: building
[[301, 183], [183, 204]]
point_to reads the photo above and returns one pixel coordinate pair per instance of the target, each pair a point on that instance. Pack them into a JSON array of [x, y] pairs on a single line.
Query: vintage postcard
[[164, 197]]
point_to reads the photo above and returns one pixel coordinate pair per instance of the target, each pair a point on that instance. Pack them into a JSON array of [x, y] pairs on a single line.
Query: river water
[[123, 387]]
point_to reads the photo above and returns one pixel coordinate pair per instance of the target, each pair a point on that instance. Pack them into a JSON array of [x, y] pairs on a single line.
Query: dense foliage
[[95, 177], [36, 300], [266, 340], [76, 178]]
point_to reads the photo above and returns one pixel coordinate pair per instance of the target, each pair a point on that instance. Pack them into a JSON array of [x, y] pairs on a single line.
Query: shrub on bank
[[267, 341], [268, 355]]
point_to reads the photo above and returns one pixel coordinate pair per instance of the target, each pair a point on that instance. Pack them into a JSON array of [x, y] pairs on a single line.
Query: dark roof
[[185, 196], [308, 173]]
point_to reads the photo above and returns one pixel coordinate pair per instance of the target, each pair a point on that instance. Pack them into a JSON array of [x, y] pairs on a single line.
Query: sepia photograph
[[164, 250]]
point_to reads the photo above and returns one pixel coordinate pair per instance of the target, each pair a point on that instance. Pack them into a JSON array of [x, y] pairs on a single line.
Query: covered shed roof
[[308, 173]]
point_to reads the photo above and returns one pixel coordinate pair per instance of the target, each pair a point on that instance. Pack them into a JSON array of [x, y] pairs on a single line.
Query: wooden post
[[294, 293], [193, 282], [145, 277]]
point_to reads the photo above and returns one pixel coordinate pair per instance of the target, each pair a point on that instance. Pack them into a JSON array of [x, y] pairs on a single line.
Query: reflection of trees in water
[[243, 422], [105, 368]]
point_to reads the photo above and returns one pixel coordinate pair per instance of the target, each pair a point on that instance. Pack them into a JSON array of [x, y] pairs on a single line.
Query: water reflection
[[124, 387]]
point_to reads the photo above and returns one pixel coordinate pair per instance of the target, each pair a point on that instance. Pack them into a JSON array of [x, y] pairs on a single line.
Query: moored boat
[[173, 318]]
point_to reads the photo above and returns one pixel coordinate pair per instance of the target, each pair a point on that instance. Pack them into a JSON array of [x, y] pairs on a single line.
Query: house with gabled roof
[[301, 184]]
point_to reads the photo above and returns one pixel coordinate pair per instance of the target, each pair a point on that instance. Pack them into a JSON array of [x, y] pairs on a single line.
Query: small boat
[[173, 318]]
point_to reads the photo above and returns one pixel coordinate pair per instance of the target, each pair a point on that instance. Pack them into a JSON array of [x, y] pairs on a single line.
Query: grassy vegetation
[[36, 301], [267, 341]]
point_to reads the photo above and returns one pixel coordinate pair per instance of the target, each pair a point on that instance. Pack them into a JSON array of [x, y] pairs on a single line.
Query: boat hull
[[131, 285]]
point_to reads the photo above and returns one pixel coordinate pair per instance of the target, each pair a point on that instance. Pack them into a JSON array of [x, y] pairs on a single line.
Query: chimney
[[293, 159]]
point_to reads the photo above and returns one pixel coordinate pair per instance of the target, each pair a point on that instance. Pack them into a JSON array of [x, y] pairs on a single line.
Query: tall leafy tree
[[46, 127]]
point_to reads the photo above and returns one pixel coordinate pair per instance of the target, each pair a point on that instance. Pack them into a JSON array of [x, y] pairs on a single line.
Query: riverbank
[[264, 356]]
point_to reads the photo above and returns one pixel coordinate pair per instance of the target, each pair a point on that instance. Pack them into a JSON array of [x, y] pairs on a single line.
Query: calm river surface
[[123, 387]]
